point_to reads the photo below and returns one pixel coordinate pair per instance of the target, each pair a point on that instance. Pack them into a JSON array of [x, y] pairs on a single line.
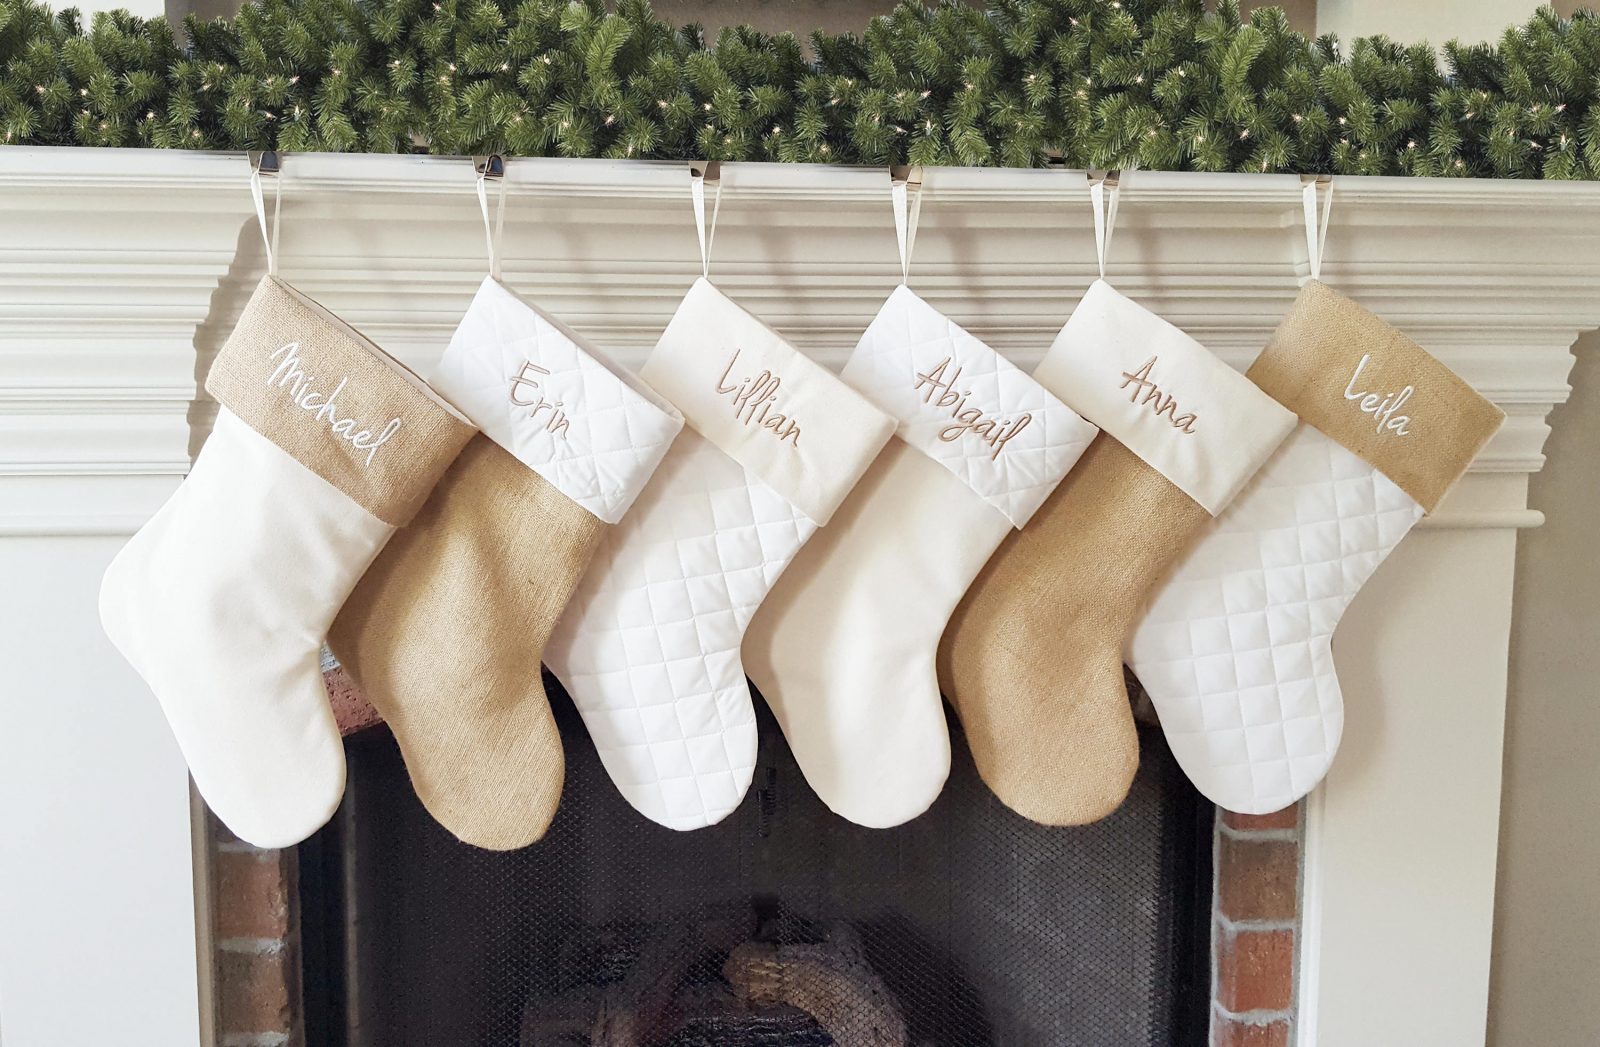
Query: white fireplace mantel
[[122, 271]]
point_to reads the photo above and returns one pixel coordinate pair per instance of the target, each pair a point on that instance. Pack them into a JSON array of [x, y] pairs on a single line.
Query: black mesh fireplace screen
[[784, 925]]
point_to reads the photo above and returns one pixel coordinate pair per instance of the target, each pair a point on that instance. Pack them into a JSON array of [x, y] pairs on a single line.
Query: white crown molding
[[122, 270]]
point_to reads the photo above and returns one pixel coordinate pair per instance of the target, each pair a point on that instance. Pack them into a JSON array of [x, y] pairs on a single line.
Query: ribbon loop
[[1316, 231], [907, 213], [492, 167], [697, 192], [269, 240], [1105, 215]]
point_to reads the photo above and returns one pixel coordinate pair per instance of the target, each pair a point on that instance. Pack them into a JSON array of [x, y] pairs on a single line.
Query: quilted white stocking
[[649, 645], [843, 649], [1235, 651], [322, 447]]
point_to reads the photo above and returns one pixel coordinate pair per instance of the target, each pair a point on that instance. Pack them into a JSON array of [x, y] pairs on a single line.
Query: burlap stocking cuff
[[965, 406], [595, 432], [1376, 392], [1197, 421], [789, 421], [336, 403]]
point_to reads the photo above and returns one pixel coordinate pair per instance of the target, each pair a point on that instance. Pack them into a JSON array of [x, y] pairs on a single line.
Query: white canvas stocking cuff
[[1197, 421], [592, 430], [965, 406], [790, 421]]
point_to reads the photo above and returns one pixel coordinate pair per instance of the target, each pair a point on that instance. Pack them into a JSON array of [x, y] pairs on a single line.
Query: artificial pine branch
[[1097, 83]]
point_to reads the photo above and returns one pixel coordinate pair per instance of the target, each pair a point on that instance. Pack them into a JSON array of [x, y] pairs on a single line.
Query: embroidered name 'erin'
[[1382, 407], [525, 393], [291, 376], [1145, 393], [968, 420], [755, 402]]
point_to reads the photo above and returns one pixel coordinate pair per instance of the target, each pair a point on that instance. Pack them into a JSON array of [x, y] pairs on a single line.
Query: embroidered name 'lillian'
[[1146, 394], [1383, 407], [291, 376], [968, 420], [755, 402], [555, 423]]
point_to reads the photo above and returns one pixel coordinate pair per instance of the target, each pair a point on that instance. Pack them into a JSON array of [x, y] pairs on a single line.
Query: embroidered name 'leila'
[[754, 402], [527, 376], [988, 429], [291, 376], [1383, 407], [1146, 394]]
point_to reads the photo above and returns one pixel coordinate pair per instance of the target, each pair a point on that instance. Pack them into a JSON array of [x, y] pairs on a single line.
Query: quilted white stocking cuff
[[1197, 421], [787, 419], [592, 430], [965, 406]]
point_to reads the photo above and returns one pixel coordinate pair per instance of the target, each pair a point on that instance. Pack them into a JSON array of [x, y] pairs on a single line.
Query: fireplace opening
[[783, 925]]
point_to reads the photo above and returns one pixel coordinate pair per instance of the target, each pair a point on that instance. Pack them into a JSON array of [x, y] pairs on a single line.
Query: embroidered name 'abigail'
[[525, 393], [302, 393], [1382, 408], [755, 402], [1145, 393], [941, 392]]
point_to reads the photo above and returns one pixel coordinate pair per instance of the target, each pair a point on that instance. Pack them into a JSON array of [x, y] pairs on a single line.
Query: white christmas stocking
[[843, 649], [1235, 651], [649, 645], [322, 447]]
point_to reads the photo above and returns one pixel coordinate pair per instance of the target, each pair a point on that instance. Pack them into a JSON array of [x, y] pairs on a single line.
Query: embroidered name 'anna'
[[1145, 393], [755, 400], [555, 423], [291, 376], [990, 430], [1383, 407]]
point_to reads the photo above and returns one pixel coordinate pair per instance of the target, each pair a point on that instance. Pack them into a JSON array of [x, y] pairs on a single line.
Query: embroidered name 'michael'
[[289, 375], [755, 401], [525, 386], [940, 391], [1382, 407], [1144, 392]]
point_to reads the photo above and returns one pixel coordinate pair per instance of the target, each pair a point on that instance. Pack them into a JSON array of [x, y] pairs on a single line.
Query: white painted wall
[[97, 940], [1547, 925], [1413, 21]]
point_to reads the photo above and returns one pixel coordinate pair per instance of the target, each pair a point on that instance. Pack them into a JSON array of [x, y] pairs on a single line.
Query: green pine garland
[[1096, 83]]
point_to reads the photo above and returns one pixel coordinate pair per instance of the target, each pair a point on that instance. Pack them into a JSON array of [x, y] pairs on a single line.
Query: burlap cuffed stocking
[[1236, 651]]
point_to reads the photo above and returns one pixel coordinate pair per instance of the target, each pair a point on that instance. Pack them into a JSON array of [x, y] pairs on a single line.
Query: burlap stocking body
[[1236, 650], [1032, 659], [446, 631], [843, 647], [323, 446]]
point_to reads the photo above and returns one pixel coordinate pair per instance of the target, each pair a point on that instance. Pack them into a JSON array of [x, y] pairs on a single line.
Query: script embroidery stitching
[[988, 429], [1146, 393], [1383, 407], [290, 374], [754, 399], [557, 424]]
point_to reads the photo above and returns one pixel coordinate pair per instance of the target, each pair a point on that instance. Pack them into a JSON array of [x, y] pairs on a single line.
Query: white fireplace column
[[121, 271]]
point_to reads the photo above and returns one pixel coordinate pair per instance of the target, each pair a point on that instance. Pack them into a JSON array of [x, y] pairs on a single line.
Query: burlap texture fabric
[[1032, 658], [445, 634], [1346, 372], [337, 403]]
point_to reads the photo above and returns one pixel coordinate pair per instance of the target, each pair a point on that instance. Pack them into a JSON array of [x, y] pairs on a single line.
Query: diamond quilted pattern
[[909, 338], [1236, 648], [649, 646], [603, 432]]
